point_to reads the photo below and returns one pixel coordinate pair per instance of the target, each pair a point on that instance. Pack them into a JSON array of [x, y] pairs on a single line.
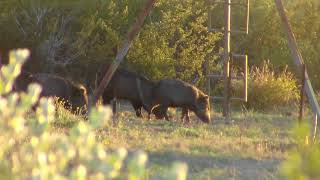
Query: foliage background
[[75, 38]]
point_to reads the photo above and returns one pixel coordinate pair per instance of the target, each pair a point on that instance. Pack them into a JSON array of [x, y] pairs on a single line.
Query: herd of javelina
[[153, 96]]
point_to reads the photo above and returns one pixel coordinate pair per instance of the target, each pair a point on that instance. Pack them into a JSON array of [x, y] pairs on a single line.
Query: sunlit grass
[[218, 150]]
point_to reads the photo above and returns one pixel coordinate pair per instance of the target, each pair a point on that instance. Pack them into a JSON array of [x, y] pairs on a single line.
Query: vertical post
[[245, 79], [229, 85], [208, 82], [303, 71], [314, 125], [226, 64], [247, 16]]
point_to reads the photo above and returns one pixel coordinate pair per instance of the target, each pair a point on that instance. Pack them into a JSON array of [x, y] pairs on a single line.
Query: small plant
[[30, 150]]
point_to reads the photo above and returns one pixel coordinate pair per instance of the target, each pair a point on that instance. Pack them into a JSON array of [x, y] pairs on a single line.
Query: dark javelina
[[22, 81], [73, 94], [176, 93], [132, 87]]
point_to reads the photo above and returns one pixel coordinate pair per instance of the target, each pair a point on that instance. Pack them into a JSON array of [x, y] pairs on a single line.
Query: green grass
[[251, 147]]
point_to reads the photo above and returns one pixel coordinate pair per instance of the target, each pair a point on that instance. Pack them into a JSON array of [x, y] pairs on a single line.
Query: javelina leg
[[114, 110], [114, 106], [164, 110], [149, 110], [137, 108], [185, 115], [149, 116]]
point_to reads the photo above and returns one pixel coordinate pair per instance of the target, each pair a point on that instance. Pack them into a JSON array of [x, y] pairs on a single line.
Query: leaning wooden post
[[298, 60], [135, 28], [301, 107]]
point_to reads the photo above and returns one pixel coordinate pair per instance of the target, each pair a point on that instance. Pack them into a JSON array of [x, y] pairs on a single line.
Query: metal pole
[[303, 71], [227, 32]]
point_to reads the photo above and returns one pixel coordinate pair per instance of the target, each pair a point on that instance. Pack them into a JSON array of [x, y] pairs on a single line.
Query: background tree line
[[75, 38]]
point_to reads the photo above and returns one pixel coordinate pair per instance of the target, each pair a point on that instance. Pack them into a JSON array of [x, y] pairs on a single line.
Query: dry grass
[[251, 147]]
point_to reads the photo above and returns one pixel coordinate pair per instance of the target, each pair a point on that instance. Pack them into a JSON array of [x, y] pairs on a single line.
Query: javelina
[[74, 95], [130, 86], [176, 93], [22, 81]]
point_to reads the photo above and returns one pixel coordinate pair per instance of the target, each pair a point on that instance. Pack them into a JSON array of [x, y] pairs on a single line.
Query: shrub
[[268, 90], [30, 150]]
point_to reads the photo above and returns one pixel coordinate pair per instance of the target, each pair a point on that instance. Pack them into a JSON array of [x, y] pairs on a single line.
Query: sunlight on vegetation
[[268, 90], [41, 139], [303, 162], [30, 150]]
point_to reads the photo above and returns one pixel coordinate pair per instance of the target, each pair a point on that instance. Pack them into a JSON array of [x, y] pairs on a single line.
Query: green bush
[[303, 161], [77, 37], [30, 150], [268, 90]]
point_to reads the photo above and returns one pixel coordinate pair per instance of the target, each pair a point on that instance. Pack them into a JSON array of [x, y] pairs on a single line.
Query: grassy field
[[252, 146]]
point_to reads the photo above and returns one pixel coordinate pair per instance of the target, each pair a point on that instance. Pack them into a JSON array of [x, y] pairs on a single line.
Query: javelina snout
[[202, 109], [159, 111], [79, 99]]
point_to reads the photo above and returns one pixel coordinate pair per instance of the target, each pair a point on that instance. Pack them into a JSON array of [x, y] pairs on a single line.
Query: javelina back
[[176, 93], [74, 95], [130, 86]]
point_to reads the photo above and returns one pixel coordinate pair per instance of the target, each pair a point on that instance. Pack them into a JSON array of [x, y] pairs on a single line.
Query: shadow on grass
[[217, 167]]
